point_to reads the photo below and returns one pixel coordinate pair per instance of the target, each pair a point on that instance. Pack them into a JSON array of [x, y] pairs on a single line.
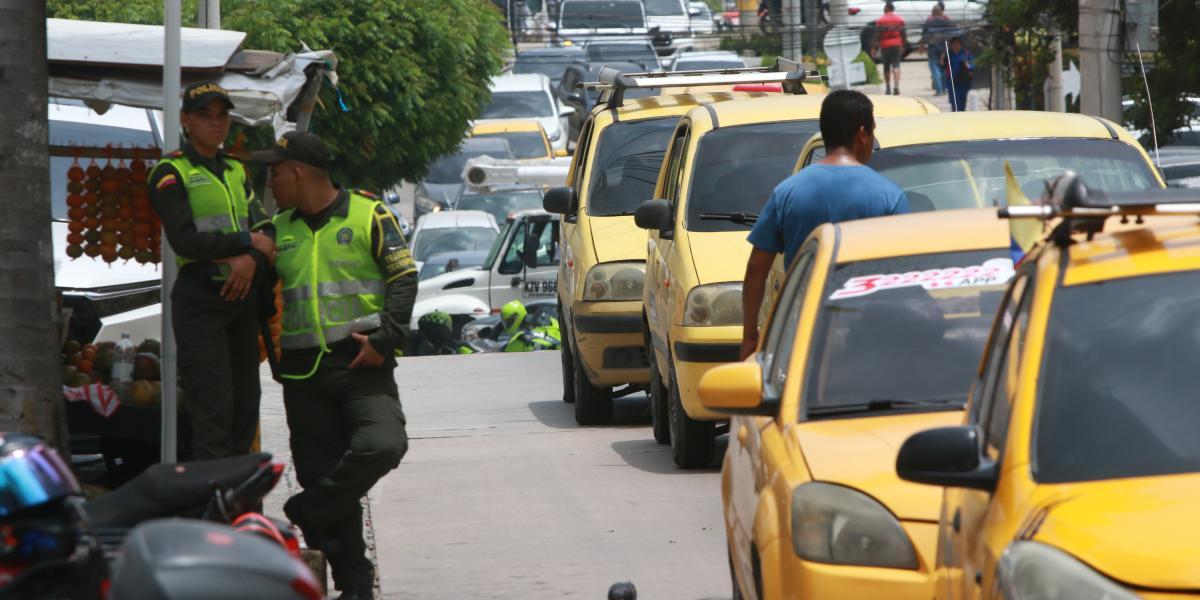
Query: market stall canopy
[[118, 63]]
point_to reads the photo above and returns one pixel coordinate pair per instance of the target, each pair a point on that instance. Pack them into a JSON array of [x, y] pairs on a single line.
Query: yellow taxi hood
[[719, 256], [1142, 532], [861, 454], [617, 238]]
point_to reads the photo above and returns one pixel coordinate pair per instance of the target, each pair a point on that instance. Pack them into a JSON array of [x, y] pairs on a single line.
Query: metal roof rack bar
[[613, 83]]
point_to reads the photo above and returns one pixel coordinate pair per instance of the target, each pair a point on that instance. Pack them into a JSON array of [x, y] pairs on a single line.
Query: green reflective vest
[[218, 203], [546, 337], [331, 284]]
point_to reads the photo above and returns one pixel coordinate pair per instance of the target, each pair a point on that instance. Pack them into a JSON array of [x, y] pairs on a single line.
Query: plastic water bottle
[[122, 366]]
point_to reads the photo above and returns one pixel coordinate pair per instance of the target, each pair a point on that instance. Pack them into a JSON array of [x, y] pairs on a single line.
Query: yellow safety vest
[[218, 203], [332, 286]]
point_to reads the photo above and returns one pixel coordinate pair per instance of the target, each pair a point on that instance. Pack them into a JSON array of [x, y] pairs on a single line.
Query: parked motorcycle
[[53, 544]]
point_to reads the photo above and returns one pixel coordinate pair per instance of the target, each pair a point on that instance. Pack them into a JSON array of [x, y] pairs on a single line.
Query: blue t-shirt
[[821, 194]]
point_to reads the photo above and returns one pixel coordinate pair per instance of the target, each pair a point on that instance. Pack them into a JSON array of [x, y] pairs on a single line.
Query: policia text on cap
[[214, 223], [349, 284]]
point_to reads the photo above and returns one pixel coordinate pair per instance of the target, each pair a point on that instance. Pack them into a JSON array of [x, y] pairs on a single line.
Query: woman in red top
[[891, 46]]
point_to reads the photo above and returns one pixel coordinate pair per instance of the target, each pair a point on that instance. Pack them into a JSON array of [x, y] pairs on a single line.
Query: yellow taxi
[[1076, 471], [875, 336], [615, 167], [525, 136], [956, 160], [722, 164]]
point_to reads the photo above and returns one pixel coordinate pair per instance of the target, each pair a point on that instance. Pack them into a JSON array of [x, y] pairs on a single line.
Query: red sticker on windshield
[[993, 272]]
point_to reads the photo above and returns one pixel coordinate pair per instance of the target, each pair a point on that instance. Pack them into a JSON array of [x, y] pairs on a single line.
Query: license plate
[[540, 287]]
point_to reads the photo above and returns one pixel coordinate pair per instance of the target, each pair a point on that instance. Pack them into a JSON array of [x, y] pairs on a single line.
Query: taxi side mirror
[[947, 456], [654, 215], [735, 388], [560, 200]]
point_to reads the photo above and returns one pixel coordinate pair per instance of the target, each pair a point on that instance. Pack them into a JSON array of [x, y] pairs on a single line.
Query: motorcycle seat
[[169, 490]]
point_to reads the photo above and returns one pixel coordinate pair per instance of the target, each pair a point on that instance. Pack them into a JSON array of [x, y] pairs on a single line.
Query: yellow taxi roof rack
[[1084, 210], [613, 83]]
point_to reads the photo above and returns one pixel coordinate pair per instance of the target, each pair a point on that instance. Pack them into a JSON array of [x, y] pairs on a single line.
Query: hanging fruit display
[[109, 215]]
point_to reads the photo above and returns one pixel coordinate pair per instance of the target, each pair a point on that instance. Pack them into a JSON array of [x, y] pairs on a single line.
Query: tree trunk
[[30, 375]]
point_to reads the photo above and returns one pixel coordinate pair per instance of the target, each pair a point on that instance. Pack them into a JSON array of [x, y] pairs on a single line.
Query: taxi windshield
[[516, 105], [971, 174], [737, 168], [625, 169], [500, 204], [1118, 397], [903, 332], [452, 239]]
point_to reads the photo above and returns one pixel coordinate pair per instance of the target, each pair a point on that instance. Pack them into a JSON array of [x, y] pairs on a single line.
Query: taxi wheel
[[593, 405], [568, 362], [660, 412], [693, 442]]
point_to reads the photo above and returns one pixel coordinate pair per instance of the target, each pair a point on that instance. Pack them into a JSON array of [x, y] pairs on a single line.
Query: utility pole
[[31, 398], [1099, 58], [792, 37], [209, 14], [1055, 102]]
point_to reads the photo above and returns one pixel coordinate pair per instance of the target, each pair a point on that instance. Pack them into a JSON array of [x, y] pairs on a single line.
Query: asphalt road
[[503, 496]]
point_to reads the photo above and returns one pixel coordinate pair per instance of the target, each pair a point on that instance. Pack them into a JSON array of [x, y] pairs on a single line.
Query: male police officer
[[210, 216], [349, 284]]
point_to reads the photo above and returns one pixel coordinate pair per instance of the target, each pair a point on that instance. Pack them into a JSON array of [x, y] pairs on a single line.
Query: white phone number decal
[[993, 272]]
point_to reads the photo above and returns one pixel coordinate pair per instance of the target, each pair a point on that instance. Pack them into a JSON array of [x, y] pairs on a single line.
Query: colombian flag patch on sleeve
[[166, 181]]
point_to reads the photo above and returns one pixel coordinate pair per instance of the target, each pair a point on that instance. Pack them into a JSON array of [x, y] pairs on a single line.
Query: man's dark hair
[[888, 6], [842, 113]]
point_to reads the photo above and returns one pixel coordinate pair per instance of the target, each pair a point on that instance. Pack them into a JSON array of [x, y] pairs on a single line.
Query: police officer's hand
[[241, 276], [367, 356], [264, 244]]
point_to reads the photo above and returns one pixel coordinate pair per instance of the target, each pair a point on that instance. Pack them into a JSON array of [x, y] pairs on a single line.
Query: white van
[[105, 299]]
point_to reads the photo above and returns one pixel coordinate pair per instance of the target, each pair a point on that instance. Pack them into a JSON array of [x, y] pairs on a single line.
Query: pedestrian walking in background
[[349, 283], [934, 34], [839, 187], [222, 240], [959, 65], [891, 46]]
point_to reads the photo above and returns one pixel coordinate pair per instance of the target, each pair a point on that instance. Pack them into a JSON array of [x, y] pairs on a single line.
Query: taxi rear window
[[904, 332], [625, 169], [971, 174], [1118, 396]]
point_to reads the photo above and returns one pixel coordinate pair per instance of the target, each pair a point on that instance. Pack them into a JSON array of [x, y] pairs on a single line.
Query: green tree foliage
[[1175, 73], [1018, 41], [412, 73]]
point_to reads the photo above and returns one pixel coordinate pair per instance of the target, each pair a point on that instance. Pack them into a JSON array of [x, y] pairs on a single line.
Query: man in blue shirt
[[838, 188]]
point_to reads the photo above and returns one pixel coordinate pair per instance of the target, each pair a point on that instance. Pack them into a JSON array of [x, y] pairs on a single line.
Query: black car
[[550, 62], [582, 99]]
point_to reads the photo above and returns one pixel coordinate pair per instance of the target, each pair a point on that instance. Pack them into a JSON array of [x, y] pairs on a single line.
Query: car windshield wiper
[[740, 218], [878, 404]]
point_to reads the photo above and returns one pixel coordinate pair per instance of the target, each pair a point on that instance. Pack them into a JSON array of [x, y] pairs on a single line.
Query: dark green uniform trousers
[[217, 344], [347, 431]]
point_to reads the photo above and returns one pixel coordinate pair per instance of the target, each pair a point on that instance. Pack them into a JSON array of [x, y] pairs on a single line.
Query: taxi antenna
[[1150, 103]]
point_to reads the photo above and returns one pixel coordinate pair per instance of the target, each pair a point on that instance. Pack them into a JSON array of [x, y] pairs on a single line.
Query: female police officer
[[210, 216]]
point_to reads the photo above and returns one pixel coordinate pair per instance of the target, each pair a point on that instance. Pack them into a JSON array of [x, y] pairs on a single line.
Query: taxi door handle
[[956, 522], [743, 433]]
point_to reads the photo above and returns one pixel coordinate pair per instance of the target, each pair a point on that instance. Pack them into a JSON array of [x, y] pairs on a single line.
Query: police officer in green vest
[[214, 223], [349, 284]]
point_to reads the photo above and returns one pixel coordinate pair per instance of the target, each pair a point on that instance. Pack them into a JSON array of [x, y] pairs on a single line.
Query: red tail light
[[855, 10]]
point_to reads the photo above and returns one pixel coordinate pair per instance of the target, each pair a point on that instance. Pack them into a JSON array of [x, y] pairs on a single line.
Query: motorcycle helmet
[[31, 474], [512, 315]]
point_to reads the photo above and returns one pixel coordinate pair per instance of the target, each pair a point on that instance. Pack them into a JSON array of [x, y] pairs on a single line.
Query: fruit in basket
[[79, 380], [69, 372], [104, 362], [150, 346], [141, 393], [145, 366], [88, 352], [71, 347], [84, 365]]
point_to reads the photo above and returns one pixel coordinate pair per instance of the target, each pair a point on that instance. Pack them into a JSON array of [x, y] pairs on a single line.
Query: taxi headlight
[[615, 281], [835, 524], [714, 305], [1031, 570]]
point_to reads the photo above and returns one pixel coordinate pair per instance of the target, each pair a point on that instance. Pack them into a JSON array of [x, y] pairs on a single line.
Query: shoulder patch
[[362, 192], [167, 181]]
